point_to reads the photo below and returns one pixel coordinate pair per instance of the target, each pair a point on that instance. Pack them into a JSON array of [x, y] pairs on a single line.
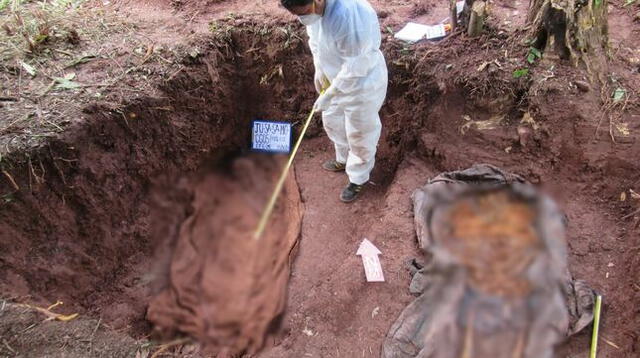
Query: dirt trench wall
[[548, 133], [74, 216], [74, 219]]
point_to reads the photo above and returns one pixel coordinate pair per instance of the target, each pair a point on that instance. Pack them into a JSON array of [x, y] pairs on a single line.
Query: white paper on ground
[[413, 32]]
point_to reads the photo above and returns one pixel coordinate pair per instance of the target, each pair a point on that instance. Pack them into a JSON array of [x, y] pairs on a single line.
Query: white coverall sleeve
[[357, 41]]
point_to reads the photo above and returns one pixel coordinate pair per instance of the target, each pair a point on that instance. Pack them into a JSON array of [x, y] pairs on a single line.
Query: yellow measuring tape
[[272, 201], [596, 326]]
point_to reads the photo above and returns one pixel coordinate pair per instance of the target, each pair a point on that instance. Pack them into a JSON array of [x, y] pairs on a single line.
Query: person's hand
[[324, 101], [320, 81]]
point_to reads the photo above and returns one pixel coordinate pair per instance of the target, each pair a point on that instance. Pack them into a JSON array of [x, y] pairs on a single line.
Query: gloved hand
[[320, 81], [324, 101]]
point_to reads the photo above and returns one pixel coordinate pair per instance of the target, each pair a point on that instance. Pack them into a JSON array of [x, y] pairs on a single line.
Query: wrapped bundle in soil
[[223, 287], [496, 282]]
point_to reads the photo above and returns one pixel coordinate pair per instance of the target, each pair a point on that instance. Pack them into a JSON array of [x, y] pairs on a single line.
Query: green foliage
[[520, 72], [619, 94], [4, 4], [390, 30], [27, 67], [10, 4], [533, 54], [66, 81], [7, 198]]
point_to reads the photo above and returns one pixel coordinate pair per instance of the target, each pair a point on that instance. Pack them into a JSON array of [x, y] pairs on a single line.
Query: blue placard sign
[[268, 136]]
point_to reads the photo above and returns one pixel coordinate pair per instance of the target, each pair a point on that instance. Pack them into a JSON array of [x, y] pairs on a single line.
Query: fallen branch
[[13, 182], [147, 56], [96, 329], [631, 214], [8, 346], [83, 59], [174, 74], [51, 315]]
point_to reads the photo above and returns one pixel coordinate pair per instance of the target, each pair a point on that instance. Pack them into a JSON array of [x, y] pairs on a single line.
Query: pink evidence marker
[[370, 261]]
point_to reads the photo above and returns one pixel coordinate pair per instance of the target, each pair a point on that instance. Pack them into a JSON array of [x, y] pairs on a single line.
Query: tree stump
[[453, 14], [574, 30], [463, 19], [476, 19]]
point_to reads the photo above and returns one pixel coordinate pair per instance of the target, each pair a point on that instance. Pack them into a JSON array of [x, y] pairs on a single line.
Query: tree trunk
[[453, 14], [463, 19], [574, 30], [476, 20]]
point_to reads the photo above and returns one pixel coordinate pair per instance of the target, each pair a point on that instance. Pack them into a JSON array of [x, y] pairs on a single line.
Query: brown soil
[[25, 334], [75, 218]]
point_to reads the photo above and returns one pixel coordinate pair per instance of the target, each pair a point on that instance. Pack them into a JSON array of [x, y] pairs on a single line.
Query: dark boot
[[333, 166], [350, 193]]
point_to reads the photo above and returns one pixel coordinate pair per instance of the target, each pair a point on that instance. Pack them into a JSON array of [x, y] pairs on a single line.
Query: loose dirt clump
[[75, 211]]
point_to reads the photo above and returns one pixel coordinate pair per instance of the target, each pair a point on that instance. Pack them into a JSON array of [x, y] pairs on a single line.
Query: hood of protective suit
[[345, 44]]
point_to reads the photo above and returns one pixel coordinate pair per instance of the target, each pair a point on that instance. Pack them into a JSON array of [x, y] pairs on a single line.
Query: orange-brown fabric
[[226, 288]]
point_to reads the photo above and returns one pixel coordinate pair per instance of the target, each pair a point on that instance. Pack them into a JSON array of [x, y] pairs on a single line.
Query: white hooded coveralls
[[345, 44]]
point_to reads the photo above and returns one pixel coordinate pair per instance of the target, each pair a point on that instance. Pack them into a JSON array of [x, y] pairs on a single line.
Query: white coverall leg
[[354, 128], [346, 49]]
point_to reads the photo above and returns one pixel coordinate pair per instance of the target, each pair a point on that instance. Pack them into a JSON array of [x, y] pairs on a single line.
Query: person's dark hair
[[288, 4]]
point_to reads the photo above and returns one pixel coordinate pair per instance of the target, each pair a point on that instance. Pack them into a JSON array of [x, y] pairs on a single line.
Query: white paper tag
[[274, 137], [435, 32]]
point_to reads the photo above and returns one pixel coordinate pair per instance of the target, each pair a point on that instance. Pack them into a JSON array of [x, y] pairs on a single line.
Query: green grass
[[29, 29], [11, 4]]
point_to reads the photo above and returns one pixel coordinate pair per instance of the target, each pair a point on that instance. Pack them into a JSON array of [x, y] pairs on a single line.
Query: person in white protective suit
[[351, 75]]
